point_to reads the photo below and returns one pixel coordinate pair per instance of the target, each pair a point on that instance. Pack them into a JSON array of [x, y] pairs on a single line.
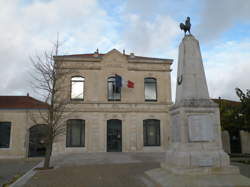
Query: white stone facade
[[95, 109]]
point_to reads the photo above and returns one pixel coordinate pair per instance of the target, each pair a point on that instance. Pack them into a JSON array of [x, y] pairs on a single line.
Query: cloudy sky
[[145, 27]]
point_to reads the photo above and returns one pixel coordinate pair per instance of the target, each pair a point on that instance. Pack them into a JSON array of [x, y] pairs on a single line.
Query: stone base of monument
[[229, 177], [195, 157]]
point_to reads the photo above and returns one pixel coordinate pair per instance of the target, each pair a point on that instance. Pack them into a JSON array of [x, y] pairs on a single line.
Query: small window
[[151, 132], [150, 86], [5, 128], [75, 133], [114, 92], [77, 88]]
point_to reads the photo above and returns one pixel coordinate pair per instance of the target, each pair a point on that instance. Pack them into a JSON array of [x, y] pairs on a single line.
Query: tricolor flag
[[121, 82]]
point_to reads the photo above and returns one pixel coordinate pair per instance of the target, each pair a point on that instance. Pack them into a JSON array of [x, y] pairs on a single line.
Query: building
[[105, 117], [235, 137], [102, 116], [19, 134]]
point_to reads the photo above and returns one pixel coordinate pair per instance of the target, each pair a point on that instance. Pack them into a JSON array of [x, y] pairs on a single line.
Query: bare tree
[[48, 79]]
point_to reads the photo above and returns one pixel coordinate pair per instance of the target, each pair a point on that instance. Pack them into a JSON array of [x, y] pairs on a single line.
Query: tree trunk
[[47, 156]]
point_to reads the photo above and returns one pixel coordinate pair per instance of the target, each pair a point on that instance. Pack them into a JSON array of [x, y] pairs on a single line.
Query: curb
[[22, 180]]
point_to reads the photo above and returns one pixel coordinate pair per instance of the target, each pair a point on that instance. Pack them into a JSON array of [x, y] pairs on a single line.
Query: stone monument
[[195, 157]]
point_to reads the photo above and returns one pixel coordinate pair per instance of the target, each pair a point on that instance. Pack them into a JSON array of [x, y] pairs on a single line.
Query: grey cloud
[[144, 8], [31, 28], [217, 16], [150, 37]]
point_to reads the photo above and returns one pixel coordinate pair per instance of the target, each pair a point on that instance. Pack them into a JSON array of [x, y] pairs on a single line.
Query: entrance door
[[235, 141], [36, 140], [114, 135]]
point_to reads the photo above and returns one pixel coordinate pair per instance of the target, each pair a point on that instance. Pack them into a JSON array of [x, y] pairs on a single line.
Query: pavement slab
[[105, 175], [103, 169], [10, 168]]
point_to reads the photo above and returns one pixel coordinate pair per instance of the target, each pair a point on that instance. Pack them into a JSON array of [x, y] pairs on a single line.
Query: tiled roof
[[21, 102], [227, 102]]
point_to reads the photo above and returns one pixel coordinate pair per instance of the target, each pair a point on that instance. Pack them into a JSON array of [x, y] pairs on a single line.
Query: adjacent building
[[19, 134]]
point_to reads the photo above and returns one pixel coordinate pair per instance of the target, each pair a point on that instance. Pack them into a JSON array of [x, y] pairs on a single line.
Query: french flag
[[121, 82]]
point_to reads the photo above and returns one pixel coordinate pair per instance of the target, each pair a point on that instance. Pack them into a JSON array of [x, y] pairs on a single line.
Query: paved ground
[[103, 169], [244, 168], [10, 168]]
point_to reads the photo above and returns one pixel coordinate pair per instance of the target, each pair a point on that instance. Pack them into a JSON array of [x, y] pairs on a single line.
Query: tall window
[[150, 86], [151, 132], [77, 88], [5, 134], [114, 92], [75, 133]]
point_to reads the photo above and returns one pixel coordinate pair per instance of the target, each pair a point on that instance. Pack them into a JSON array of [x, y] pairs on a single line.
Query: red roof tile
[[227, 102], [21, 102]]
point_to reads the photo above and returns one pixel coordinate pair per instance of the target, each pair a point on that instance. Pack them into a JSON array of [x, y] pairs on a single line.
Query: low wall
[[245, 141]]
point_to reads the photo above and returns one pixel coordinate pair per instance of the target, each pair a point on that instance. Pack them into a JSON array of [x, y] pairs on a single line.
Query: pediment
[[114, 59]]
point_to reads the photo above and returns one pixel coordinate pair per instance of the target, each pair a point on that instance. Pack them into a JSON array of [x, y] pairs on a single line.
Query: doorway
[[235, 141], [37, 135], [114, 135]]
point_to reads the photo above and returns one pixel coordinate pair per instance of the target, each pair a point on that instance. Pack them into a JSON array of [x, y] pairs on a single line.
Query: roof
[[21, 102], [100, 55], [227, 102]]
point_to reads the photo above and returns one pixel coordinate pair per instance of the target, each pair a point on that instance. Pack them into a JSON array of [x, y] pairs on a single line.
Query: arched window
[[75, 133], [114, 92], [5, 128], [151, 132], [77, 88], [150, 88]]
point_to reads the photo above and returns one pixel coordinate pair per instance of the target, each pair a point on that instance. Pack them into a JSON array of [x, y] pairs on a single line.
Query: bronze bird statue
[[187, 26]]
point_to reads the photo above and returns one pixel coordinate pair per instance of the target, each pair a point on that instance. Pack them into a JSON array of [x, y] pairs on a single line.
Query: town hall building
[[116, 103]]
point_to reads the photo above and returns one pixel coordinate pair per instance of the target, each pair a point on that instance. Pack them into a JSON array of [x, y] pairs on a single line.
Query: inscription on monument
[[201, 128], [202, 160], [205, 162]]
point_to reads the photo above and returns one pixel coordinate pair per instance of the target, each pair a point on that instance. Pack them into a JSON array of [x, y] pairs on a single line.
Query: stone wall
[[245, 142], [132, 132], [19, 133]]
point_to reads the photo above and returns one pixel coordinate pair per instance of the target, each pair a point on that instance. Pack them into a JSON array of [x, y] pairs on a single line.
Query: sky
[[144, 27]]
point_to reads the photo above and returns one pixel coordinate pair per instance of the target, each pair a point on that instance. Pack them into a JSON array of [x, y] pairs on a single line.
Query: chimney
[[96, 54], [123, 51], [132, 55], [28, 94]]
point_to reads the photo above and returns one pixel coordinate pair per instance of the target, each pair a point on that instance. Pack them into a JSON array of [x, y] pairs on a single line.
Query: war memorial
[[195, 157]]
